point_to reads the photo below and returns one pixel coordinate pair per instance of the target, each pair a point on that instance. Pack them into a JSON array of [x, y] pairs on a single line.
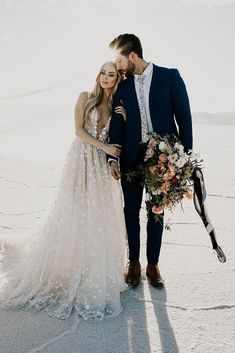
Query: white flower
[[181, 162], [173, 157], [162, 146], [181, 150], [179, 147], [185, 156]]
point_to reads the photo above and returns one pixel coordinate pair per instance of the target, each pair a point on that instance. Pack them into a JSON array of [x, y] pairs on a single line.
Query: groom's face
[[124, 64]]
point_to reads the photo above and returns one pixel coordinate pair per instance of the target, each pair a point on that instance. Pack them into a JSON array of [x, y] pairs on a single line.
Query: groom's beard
[[130, 69]]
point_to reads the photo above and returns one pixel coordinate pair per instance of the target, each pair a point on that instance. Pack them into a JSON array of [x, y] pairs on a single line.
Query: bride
[[76, 259]]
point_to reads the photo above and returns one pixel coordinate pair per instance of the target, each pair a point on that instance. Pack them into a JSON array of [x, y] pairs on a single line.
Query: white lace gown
[[77, 258]]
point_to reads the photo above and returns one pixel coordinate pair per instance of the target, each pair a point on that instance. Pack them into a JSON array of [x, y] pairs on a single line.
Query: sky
[[59, 45]]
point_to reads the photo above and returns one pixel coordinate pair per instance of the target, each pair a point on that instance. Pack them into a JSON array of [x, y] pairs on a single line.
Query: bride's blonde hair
[[96, 96]]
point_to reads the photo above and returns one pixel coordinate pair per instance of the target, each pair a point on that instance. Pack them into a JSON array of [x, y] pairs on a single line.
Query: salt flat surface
[[194, 313]]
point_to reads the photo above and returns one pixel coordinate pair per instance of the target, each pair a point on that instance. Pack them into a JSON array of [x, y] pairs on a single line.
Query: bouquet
[[167, 170], [171, 174]]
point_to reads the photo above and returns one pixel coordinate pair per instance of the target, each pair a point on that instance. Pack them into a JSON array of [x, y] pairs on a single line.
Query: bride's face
[[108, 76]]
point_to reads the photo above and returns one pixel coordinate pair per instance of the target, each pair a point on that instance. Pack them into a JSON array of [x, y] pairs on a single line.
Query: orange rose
[[157, 210], [162, 158], [165, 187]]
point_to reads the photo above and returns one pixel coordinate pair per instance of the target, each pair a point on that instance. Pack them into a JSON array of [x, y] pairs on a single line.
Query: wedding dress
[[77, 257]]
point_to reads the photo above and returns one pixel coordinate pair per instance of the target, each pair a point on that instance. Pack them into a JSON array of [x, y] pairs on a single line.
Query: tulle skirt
[[75, 259]]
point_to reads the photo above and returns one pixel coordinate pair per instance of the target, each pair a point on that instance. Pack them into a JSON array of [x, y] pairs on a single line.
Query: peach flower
[[162, 158], [169, 203], [188, 195], [170, 165], [149, 152], [169, 175], [165, 187], [153, 169], [157, 210], [152, 143]]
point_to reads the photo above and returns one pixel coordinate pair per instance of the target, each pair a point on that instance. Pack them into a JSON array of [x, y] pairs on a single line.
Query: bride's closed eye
[[111, 74]]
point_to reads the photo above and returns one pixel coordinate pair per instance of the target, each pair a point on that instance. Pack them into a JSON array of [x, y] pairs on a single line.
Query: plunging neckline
[[96, 124]]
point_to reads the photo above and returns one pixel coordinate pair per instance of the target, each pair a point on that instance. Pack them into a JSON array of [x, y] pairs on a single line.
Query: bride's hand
[[112, 150], [121, 110]]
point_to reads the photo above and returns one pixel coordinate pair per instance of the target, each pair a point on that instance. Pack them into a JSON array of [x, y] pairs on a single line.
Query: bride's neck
[[106, 95]]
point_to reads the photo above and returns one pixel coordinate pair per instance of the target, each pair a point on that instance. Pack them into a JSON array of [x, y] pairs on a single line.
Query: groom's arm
[[181, 109], [117, 124]]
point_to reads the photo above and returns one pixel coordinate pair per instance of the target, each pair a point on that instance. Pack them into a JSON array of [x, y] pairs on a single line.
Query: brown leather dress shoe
[[155, 278], [133, 274]]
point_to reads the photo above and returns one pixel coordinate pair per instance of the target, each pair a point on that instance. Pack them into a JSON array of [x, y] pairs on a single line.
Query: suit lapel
[[154, 89], [135, 114], [134, 95]]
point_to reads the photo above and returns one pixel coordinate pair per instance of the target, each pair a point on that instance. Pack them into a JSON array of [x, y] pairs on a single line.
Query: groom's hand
[[115, 171]]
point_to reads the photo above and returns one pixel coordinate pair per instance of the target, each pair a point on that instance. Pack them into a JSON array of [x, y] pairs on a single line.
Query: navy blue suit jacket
[[169, 110]]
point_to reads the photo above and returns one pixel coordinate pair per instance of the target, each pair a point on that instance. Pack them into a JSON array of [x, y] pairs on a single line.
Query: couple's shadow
[[145, 308], [142, 327]]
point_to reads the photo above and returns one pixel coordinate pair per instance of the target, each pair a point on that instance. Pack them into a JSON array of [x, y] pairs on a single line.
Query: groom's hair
[[127, 43]]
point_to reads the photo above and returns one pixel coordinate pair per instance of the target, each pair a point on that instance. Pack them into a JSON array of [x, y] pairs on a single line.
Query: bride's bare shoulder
[[82, 99], [83, 96]]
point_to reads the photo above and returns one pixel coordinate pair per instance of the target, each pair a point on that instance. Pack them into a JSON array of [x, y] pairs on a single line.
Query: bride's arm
[[83, 134]]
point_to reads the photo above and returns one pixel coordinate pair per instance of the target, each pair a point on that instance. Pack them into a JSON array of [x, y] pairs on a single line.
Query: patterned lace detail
[[103, 136]]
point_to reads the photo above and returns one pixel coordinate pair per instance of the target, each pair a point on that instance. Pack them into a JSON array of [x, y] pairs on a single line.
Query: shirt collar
[[147, 72]]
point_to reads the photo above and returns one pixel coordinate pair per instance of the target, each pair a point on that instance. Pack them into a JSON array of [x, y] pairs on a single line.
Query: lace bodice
[[103, 136]]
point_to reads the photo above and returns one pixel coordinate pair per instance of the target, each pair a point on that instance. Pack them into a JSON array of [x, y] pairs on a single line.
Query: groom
[[155, 99]]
